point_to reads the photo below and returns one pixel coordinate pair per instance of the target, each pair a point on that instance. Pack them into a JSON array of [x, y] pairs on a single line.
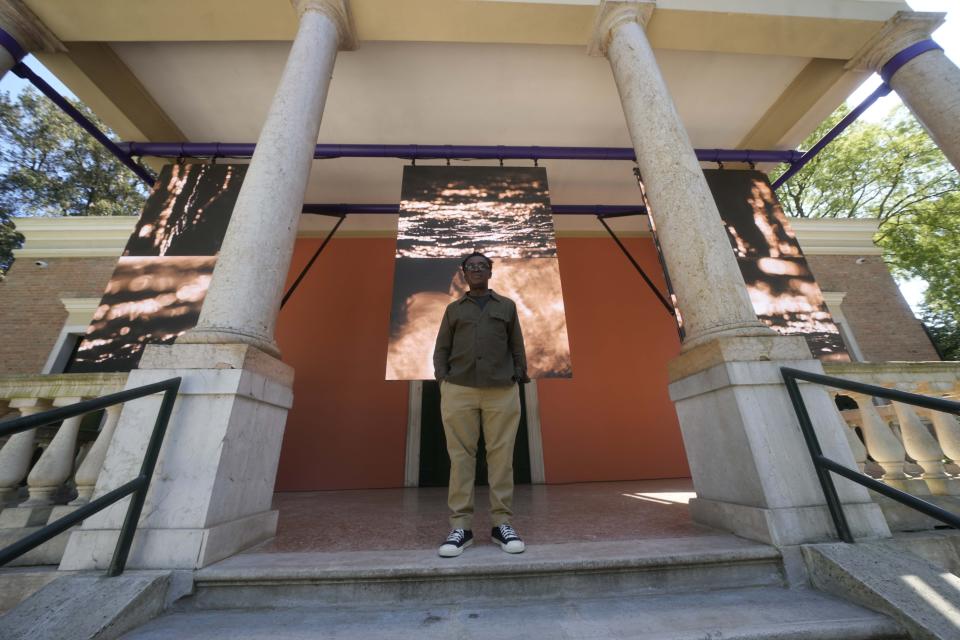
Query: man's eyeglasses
[[476, 266]]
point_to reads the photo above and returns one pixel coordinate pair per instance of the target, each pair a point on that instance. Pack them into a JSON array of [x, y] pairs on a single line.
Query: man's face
[[477, 271]]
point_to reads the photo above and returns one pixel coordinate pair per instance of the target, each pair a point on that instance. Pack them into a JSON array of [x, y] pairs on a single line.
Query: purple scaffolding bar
[[605, 210], [886, 72], [27, 73], [447, 151]]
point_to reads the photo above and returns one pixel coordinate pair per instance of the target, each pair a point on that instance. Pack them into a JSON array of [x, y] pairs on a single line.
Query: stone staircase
[[711, 587]]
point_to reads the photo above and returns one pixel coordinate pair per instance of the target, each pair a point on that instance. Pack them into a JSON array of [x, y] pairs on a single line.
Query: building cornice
[[87, 237], [832, 236], [74, 237]]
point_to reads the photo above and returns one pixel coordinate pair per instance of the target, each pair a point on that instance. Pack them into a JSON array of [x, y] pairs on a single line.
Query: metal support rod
[[25, 72], [666, 303], [316, 254], [663, 263], [452, 152]]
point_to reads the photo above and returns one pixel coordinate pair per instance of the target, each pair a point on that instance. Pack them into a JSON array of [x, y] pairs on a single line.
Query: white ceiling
[[455, 93]]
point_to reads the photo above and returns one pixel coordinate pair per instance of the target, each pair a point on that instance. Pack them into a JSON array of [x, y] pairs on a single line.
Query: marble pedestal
[[750, 466], [212, 489]]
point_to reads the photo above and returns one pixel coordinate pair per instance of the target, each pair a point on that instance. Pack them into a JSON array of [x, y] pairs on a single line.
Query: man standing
[[480, 362]]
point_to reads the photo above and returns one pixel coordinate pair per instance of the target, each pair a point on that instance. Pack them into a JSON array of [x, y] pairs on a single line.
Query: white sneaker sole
[[516, 548], [450, 551]]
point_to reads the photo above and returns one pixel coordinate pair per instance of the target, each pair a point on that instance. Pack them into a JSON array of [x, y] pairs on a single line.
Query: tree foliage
[[49, 166], [891, 170]]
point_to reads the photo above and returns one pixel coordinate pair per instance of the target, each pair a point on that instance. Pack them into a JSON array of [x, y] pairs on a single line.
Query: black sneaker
[[456, 542], [507, 538]]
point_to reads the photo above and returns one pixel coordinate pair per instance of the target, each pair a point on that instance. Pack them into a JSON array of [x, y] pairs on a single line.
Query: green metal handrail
[[137, 487], [824, 465]]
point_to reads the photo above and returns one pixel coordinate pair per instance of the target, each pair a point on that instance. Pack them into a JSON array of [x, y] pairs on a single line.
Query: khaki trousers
[[465, 410]]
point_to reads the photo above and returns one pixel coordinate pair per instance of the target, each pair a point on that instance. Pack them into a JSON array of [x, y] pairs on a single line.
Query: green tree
[[891, 170], [49, 166]]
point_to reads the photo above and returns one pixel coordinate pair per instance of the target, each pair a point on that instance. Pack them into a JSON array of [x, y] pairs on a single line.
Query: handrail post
[[129, 528], [824, 466], [816, 453]]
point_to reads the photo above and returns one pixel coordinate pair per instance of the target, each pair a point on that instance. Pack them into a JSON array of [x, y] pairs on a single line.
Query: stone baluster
[[89, 470], [884, 446], [923, 447], [55, 466], [17, 453], [945, 425], [856, 446]]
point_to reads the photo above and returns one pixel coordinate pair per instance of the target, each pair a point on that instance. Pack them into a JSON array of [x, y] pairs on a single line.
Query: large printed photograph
[[447, 213], [782, 288], [158, 286]]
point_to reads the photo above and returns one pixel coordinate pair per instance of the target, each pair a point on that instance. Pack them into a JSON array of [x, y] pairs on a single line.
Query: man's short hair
[[474, 254]]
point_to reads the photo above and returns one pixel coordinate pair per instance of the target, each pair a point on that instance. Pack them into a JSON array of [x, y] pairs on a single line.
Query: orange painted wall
[[347, 428], [613, 420]]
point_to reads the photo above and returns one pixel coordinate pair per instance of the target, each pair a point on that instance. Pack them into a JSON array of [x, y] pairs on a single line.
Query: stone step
[[756, 613], [484, 572]]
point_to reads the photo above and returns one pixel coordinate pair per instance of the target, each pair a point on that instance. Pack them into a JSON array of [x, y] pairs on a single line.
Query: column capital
[[339, 12], [613, 13], [899, 32], [27, 29]]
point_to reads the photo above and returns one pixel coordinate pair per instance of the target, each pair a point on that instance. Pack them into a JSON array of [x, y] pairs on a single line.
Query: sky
[[948, 36]]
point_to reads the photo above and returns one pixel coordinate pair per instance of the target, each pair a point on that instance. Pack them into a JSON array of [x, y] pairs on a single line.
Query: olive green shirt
[[480, 347]]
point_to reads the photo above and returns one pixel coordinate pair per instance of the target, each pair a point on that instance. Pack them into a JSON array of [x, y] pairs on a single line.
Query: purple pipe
[[27, 73], [886, 72], [13, 47], [605, 210], [427, 152], [849, 119]]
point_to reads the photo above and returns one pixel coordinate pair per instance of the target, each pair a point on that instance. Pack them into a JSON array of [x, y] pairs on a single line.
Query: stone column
[[212, 490], [929, 84], [750, 466], [25, 34], [244, 297], [711, 294]]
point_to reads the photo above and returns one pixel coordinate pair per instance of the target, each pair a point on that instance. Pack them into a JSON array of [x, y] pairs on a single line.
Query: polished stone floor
[[380, 519]]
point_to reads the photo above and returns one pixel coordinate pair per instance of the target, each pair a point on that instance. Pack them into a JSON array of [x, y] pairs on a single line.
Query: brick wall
[[881, 321], [31, 313]]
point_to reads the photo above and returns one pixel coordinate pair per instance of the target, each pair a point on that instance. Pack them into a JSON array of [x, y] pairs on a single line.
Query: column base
[[751, 468], [223, 336], [211, 492], [787, 526], [169, 548]]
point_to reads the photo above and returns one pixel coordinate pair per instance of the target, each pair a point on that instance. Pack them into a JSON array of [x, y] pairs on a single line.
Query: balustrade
[[913, 449], [63, 449]]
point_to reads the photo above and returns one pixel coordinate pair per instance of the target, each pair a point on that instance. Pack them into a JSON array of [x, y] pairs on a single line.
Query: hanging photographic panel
[[782, 288], [446, 213], [159, 284]]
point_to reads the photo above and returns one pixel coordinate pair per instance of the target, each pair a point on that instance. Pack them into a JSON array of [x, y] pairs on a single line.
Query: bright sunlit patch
[[934, 599], [663, 497]]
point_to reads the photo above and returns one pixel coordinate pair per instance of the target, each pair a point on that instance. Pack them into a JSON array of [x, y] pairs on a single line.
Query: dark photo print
[[449, 212], [149, 300], [158, 286], [188, 211], [782, 288]]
